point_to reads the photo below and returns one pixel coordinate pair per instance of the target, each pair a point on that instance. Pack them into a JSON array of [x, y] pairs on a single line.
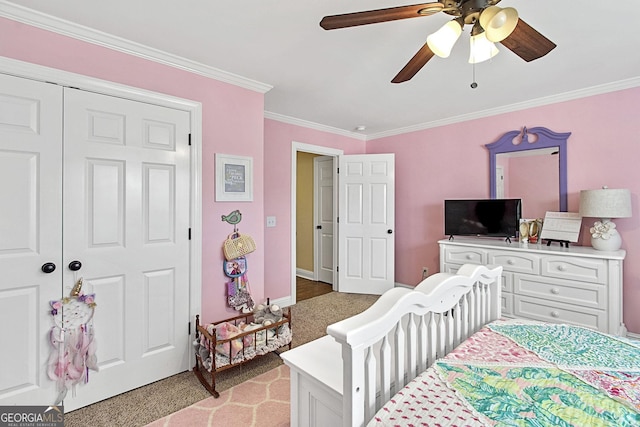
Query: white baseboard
[[402, 285], [633, 336], [305, 274], [283, 302]]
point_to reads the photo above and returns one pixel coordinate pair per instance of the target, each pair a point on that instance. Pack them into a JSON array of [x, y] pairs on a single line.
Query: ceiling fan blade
[[414, 65], [380, 15], [527, 43]]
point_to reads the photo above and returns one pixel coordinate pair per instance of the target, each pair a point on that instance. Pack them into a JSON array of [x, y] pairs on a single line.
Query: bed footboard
[[405, 331]]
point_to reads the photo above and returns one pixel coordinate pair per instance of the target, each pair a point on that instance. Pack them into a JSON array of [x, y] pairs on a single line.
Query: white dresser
[[577, 285]]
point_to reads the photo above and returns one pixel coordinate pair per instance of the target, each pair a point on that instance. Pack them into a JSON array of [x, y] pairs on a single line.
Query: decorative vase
[[613, 243]]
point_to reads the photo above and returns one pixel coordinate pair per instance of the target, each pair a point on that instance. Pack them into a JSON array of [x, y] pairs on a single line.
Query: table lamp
[[605, 204]]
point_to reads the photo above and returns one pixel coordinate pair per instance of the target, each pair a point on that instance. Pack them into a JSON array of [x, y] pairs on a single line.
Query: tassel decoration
[[72, 340]]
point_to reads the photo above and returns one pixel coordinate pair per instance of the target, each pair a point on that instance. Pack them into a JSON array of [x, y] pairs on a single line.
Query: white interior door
[[366, 223], [324, 218], [126, 219], [30, 234]]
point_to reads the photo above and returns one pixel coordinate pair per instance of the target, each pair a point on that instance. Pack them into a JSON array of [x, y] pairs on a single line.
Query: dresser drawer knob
[[555, 314], [510, 262], [469, 256], [561, 267], [555, 291]]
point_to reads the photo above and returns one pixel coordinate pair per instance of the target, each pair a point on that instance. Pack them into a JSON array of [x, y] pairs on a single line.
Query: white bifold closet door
[[103, 181]]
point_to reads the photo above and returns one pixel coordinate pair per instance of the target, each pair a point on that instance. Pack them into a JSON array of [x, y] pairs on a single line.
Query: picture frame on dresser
[[577, 285]]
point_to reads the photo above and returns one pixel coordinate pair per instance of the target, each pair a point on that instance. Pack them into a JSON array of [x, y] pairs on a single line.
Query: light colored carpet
[[141, 406], [262, 401]]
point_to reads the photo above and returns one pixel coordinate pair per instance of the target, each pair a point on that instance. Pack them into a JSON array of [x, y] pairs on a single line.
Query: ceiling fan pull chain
[[473, 83]]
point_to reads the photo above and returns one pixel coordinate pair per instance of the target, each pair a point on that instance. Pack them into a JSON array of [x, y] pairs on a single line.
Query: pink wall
[[278, 139], [445, 162], [233, 120]]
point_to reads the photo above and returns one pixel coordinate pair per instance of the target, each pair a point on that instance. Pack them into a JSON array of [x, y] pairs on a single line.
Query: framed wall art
[[234, 178]]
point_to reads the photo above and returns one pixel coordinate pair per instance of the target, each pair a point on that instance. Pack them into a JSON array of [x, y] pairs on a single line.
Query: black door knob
[[48, 267], [75, 265], [389, 231], [318, 227]]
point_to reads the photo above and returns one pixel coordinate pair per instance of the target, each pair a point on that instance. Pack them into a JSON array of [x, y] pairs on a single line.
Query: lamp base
[[613, 243]]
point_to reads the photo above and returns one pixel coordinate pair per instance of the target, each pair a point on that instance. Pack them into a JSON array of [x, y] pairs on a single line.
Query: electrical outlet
[[425, 272]]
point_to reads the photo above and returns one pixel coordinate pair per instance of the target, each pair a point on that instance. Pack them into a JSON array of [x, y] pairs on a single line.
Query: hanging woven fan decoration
[[490, 24], [72, 338]]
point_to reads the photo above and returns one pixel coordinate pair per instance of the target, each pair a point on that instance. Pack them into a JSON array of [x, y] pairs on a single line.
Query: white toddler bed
[[379, 367], [345, 377]]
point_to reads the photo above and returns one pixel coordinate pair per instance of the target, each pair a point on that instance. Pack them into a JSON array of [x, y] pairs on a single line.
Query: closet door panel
[[105, 204], [127, 217], [30, 234]]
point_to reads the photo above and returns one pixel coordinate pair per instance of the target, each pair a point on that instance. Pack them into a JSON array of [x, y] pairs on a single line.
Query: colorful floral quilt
[[513, 373]]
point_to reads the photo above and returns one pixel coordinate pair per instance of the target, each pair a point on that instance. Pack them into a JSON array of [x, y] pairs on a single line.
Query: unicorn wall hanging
[[72, 338]]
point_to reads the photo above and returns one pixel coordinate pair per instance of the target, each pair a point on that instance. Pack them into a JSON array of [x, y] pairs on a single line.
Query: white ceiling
[[341, 78]]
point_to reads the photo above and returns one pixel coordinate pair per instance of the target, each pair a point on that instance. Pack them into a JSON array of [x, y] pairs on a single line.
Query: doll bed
[[214, 355], [439, 355]]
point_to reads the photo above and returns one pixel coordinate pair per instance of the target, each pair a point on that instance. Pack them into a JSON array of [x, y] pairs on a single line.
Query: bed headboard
[[405, 330]]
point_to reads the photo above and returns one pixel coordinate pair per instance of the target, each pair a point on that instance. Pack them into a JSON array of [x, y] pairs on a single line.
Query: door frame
[[64, 78], [323, 151]]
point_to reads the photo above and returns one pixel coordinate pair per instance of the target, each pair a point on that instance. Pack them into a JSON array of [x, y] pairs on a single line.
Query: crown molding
[[311, 125], [538, 102], [66, 28]]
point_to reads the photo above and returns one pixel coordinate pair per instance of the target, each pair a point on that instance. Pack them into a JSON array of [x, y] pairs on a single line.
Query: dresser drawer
[[574, 268], [571, 292], [516, 261], [556, 312], [464, 255]]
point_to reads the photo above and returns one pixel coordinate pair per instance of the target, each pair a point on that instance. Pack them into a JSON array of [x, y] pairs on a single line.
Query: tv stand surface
[[577, 285]]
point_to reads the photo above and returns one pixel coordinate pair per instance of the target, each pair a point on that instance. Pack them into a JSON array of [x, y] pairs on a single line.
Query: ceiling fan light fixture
[[441, 42], [431, 9], [498, 23], [481, 49]]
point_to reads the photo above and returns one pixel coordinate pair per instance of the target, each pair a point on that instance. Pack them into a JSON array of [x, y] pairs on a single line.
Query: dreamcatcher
[[73, 345]]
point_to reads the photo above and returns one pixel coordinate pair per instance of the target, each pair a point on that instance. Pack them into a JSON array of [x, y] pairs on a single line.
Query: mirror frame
[[545, 139]]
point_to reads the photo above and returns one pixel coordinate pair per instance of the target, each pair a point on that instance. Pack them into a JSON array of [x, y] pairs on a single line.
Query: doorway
[[296, 148]]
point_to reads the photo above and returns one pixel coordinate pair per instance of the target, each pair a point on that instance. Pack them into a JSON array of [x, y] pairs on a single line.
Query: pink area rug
[[260, 402]]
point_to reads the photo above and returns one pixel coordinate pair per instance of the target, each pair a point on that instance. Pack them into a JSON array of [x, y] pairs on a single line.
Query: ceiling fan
[[491, 24]]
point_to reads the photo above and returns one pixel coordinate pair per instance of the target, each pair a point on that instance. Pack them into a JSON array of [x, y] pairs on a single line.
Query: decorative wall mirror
[[530, 165]]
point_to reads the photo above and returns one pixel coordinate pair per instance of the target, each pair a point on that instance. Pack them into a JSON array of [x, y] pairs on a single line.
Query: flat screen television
[[485, 217]]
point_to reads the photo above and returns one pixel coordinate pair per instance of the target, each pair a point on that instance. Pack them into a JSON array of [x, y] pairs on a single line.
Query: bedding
[[515, 373]]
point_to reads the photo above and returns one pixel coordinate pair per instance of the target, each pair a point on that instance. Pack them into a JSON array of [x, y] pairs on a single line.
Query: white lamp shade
[[605, 203], [498, 23], [441, 42], [481, 49]]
